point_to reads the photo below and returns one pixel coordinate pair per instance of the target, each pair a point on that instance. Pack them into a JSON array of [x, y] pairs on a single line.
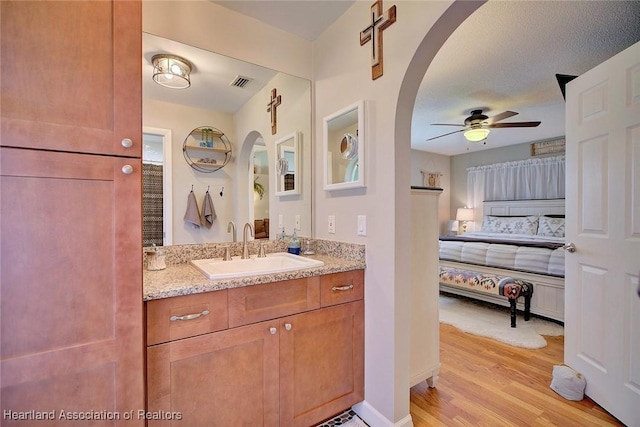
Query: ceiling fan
[[476, 126]]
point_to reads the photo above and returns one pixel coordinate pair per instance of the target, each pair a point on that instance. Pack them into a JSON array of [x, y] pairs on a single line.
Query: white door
[[602, 308]]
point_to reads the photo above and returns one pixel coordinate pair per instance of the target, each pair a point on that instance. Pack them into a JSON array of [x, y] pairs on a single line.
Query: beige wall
[[342, 76], [431, 162], [181, 121]]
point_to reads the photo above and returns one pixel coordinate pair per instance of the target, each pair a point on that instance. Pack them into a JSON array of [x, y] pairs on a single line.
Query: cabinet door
[[71, 76], [322, 363], [227, 378], [71, 334]]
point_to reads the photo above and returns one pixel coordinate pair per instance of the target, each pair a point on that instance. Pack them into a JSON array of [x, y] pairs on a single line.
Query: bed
[[520, 239]]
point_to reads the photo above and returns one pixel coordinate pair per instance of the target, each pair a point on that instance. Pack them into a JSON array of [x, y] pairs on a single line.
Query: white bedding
[[521, 258]]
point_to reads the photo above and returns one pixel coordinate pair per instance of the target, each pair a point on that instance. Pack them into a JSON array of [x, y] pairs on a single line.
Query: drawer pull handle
[[272, 330], [189, 316], [342, 288], [287, 326]]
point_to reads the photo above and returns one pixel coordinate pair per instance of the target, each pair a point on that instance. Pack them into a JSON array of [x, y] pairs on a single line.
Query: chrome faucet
[[245, 246], [232, 226]]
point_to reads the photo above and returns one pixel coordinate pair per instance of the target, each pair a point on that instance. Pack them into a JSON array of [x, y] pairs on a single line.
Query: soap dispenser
[[294, 244]]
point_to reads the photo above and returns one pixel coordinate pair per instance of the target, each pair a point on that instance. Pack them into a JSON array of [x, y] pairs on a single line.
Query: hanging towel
[[208, 212], [192, 215]]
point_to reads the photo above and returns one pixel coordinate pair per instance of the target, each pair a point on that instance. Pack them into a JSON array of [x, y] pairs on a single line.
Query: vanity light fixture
[[476, 134], [171, 71]]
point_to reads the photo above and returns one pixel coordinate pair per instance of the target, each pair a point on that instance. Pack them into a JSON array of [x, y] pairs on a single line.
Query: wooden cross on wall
[[271, 108], [379, 22]]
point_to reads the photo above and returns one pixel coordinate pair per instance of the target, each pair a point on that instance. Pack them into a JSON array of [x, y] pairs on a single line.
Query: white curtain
[[520, 180]]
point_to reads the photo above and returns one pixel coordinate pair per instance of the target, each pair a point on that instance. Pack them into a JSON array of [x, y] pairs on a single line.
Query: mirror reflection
[[287, 166], [344, 148], [231, 96]]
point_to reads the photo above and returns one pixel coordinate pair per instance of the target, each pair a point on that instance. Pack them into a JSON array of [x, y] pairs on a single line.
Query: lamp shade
[[476, 135], [171, 71], [464, 214]]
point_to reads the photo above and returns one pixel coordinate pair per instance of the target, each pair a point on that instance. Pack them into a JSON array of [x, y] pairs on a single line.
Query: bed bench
[[505, 286]]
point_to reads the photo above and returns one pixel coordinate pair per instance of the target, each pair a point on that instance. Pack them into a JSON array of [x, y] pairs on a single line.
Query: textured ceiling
[[505, 57]]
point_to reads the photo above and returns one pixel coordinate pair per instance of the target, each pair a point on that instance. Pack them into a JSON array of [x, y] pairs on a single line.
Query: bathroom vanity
[[274, 350]]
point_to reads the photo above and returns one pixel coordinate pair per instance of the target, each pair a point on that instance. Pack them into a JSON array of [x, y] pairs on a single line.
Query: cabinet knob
[[126, 143], [287, 326], [272, 330], [127, 169]]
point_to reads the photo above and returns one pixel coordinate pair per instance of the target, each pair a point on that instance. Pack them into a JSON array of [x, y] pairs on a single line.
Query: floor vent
[[240, 81]]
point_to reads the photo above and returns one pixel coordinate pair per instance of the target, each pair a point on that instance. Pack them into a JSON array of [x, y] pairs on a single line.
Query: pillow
[[551, 227], [510, 224]]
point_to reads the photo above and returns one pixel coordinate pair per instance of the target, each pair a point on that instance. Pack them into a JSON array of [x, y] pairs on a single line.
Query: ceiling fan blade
[[446, 124], [515, 125], [501, 116], [450, 133]]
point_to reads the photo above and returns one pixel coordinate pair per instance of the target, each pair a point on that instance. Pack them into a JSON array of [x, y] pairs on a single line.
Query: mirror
[[238, 110], [344, 141], [287, 170]]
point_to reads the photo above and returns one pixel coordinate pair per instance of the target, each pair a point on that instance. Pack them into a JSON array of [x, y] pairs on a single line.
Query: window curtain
[[519, 180], [152, 215]]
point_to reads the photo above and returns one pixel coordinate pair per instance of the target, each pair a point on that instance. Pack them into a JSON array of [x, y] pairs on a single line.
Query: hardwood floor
[[486, 383]]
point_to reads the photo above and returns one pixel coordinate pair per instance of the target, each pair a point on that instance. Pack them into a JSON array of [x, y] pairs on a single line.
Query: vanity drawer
[[338, 288], [250, 304], [174, 318]]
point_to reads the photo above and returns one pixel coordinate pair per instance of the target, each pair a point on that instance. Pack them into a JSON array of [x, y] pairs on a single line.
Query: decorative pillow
[[510, 224], [551, 227]]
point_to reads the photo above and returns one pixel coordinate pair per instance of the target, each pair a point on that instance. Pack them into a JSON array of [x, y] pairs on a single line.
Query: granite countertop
[[185, 279]]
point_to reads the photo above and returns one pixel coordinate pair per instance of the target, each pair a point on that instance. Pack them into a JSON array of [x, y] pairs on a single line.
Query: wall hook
[[221, 191]]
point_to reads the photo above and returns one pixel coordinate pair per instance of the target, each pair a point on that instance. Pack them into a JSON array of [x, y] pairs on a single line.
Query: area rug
[[493, 322]]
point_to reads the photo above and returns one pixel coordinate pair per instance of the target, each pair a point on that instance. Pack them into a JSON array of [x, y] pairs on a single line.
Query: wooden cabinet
[[227, 378], [272, 367], [321, 363], [70, 221]]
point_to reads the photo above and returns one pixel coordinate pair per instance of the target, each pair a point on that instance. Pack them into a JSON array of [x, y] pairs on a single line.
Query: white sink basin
[[216, 268]]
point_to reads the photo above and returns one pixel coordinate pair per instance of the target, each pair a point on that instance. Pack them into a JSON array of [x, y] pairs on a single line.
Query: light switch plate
[[298, 222], [362, 225], [280, 222], [332, 224]]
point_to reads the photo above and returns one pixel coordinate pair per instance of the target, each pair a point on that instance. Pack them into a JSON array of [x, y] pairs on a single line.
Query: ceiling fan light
[[171, 71], [476, 135]]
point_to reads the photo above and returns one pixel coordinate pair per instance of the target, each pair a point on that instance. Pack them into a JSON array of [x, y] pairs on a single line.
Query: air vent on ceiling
[[240, 81]]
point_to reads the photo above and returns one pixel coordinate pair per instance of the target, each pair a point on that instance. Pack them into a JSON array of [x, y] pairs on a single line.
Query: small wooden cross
[[379, 22], [271, 108]]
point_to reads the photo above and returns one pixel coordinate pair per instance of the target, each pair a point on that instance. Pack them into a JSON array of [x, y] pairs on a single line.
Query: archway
[[431, 43], [244, 206]]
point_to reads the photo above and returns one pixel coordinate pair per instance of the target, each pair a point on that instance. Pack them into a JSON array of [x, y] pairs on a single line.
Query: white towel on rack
[[208, 211], [192, 215]]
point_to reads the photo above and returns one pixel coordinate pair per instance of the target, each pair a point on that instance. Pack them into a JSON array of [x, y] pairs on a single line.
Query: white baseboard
[[375, 419]]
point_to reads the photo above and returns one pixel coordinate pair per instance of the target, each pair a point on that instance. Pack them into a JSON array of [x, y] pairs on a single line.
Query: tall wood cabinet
[[424, 352], [71, 330]]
